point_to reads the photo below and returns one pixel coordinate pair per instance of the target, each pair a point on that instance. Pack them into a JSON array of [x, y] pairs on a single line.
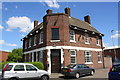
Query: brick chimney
[[49, 11], [67, 11], [87, 19], [35, 23]]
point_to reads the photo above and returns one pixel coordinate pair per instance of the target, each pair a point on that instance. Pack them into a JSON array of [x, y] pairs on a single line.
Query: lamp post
[[113, 46]]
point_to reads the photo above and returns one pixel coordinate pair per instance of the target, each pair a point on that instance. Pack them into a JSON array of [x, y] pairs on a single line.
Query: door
[[55, 61]]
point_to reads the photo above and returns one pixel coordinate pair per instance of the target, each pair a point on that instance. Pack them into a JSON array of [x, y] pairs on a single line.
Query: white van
[[16, 71]]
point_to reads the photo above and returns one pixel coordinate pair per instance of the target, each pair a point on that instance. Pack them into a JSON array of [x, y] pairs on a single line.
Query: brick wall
[[80, 58], [111, 53], [3, 56]]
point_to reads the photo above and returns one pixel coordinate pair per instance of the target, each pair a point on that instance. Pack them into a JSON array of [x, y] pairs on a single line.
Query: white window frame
[[26, 44], [41, 56], [73, 32], [86, 38], [32, 56], [36, 56], [99, 56], [97, 41], [29, 56], [35, 38], [25, 57], [41, 37], [29, 42], [88, 56], [73, 55]]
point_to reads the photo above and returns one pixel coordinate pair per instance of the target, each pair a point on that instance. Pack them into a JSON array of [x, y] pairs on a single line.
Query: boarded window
[[55, 33]]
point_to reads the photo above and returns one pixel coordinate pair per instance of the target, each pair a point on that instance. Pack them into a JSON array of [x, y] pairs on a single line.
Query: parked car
[[114, 73], [76, 70], [16, 71]]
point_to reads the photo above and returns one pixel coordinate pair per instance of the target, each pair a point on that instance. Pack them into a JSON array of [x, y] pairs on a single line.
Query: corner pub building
[[61, 40]]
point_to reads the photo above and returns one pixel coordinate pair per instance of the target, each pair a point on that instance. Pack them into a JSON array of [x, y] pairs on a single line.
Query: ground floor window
[[73, 56], [32, 57], [99, 57], [88, 56], [41, 56]]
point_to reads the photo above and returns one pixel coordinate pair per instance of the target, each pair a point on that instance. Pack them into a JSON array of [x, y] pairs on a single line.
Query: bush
[[3, 63], [39, 65]]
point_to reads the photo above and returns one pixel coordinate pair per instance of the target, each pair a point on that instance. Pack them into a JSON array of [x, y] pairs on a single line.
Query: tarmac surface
[[100, 74]]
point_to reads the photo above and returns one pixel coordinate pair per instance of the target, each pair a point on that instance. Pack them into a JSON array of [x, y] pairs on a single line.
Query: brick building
[[61, 40], [3, 56], [112, 52]]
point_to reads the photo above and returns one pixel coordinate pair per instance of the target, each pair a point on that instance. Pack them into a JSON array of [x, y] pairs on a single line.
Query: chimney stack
[[87, 19], [67, 11], [49, 11], [35, 23]]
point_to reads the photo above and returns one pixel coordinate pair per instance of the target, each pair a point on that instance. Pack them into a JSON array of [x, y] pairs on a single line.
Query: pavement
[[100, 74]]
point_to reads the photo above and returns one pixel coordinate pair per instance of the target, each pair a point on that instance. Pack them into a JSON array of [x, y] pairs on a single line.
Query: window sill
[[73, 63], [54, 40], [41, 43], [34, 44], [99, 61], [29, 47], [97, 44], [87, 43], [72, 41], [89, 63]]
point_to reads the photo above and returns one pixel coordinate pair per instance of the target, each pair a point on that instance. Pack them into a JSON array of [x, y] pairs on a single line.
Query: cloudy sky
[[18, 17]]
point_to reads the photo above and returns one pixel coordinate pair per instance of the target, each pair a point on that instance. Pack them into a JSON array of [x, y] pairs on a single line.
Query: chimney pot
[[35, 23], [49, 11], [87, 19], [67, 11]]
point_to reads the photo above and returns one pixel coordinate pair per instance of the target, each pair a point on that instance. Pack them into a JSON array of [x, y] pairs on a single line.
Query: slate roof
[[37, 27], [81, 24]]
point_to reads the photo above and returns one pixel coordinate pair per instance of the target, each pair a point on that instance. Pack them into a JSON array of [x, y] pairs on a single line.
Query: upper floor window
[[86, 38], [88, 57], [73, 56], [35, 38], [41, 37], [97, 40], [72, 35], [29, 42], [55, 33], [99, 57], [26, 44]]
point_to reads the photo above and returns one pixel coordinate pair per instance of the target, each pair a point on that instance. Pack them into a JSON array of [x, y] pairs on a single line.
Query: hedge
[[39, 65]]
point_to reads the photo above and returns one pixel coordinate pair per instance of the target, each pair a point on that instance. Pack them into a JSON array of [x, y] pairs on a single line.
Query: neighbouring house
[[112, 52], [61, 40], [3, 56]]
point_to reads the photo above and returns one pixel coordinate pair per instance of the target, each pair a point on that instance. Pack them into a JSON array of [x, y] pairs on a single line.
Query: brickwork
[[3, 56], [61, 21], [111, 53]]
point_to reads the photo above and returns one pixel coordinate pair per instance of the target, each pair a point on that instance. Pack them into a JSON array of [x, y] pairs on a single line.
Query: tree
[[15, 55]]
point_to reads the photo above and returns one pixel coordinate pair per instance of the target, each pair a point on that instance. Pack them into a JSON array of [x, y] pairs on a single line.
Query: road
[[100, 74]]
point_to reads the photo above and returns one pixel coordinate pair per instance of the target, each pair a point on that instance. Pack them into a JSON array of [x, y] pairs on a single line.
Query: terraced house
[[61, 40]]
